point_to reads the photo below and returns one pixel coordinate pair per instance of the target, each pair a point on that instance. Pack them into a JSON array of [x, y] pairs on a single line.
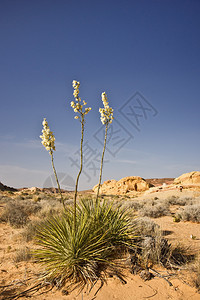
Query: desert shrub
[[153, 248], [78, 255], [4, 199], [49, 207], [190, 213], [172, 199], [47, 212], [22, 255], [154, 211], [133, 204], [17, 213], [14, 215], [145, 226], [30, 207], [181, 201], [195, 201]]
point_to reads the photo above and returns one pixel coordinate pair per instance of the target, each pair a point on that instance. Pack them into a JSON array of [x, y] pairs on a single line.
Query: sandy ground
[[157, 288], [136, 289]]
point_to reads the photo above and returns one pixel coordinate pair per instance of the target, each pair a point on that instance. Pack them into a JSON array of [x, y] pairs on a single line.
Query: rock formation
[[192, 178], [125, 185]]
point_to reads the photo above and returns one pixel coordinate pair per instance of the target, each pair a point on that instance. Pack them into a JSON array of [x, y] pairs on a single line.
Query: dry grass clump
[[190, 213], [154, 210]]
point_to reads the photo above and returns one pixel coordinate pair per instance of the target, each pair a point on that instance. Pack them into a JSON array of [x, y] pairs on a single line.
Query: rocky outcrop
[[125, 185], [192, 178]]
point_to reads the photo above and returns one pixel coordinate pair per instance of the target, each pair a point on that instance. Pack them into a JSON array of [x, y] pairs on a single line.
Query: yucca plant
[[80, 258], [114, 219], [82, 244]]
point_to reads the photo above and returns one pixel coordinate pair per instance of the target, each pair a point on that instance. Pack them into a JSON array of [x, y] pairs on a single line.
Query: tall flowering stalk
[[81, 111], [48, 141], [106, 119]]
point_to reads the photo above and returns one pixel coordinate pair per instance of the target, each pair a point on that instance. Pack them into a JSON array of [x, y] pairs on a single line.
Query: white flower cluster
[[48, 139], [76, 105], [106, 112]]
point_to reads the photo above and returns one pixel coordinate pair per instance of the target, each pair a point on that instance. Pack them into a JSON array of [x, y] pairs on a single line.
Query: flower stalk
[[79, 173], [78, 108], [106, 114], [48, 141]]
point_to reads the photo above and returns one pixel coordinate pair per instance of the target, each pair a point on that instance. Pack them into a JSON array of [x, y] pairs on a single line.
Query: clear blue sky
[[120, 47]]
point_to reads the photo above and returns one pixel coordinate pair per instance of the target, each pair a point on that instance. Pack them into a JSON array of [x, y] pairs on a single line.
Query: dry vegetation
[[25, 212]]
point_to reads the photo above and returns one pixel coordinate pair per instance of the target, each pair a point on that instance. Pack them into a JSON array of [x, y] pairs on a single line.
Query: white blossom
[[48, 139], [106, 112], [76, 105]]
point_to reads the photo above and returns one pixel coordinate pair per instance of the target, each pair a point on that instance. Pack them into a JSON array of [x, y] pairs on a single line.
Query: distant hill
[[6, 188]]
